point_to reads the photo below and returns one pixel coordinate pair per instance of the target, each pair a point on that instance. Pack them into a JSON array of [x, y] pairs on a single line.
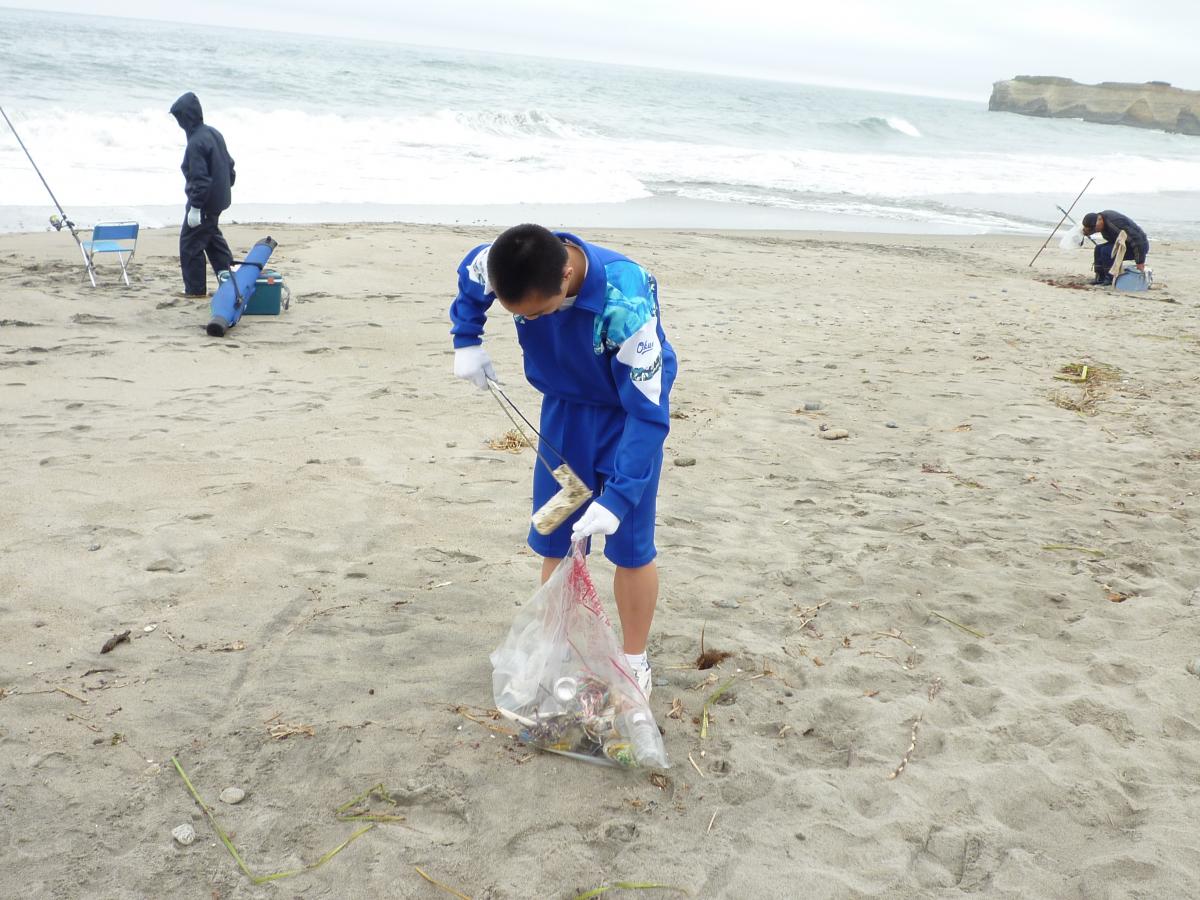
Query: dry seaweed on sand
[[808, 612], [1088, 550], [511, 441], [122, 638], [285, 730], [359, 809], [493, 714], [709, 658], [1077, 372], [977, 634], [935, 688], [1095, 384], [1074, 282], [1092, 372], [1084, 404], [629, 886], [440, 886]]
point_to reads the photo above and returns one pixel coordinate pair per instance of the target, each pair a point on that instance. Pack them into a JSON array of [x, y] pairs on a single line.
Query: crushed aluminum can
[[565, 689]]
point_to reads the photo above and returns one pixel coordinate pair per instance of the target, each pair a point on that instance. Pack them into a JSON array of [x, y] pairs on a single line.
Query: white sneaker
[[644, 680]]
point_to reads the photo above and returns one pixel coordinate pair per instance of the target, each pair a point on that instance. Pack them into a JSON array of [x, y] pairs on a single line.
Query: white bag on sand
[[1073, 239], [562, 677]]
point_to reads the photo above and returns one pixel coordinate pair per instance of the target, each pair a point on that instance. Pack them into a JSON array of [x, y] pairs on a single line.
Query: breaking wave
[[880, 125]]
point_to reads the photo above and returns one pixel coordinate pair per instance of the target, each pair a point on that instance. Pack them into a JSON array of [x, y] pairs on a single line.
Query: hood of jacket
[[187, 112]]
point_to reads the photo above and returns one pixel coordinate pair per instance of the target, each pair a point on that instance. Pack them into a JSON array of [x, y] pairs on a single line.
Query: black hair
[[1089, 221], [526, 260]]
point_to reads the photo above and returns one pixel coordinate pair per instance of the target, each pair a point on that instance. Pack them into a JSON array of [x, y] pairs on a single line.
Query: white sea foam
[[337, 123], [903, 126], [455, 157]]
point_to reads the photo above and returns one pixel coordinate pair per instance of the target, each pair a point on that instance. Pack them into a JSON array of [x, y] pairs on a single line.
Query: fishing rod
[[1066, 213], [60, 221]]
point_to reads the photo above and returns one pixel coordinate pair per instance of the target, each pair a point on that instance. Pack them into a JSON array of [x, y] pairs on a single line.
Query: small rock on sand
[[232, 795], [812, 405], [685, 460], [165, 565], [835, 434], [727, 603], [183, 834], [1194, 666]]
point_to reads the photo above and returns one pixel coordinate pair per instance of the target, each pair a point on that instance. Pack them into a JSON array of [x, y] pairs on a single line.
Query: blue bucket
[[1131, 280]]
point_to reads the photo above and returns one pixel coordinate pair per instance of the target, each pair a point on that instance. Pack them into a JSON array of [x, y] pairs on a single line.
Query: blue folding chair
[[111, 237]]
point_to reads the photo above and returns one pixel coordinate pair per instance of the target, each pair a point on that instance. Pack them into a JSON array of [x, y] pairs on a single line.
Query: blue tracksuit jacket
[[604, 347]]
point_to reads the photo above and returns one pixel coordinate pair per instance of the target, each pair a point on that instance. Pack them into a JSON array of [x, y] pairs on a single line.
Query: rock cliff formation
[[1154, 104]]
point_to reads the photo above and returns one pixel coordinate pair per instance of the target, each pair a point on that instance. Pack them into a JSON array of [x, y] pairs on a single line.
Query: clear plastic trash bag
[[1073, 239], [561, 676]]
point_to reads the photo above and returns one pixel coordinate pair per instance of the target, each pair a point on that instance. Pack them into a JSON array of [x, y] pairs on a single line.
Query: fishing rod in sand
[[1066, 215], [60, 221]]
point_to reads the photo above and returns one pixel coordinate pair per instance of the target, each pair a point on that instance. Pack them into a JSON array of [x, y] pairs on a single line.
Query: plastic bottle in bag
[[639, 728], [561, 675]]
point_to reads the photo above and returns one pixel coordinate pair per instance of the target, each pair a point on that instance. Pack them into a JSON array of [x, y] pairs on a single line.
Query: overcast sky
[[948, 47]]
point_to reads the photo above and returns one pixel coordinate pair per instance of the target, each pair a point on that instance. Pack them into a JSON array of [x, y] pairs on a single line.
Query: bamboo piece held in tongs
[[572, 493]]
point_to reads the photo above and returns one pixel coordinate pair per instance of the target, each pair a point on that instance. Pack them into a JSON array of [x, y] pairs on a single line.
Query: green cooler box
[[270, 294]]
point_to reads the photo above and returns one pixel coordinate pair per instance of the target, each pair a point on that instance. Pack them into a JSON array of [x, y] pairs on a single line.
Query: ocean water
[[329, 129]]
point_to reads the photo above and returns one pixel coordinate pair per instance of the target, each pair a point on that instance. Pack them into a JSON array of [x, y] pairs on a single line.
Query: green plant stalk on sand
[[712, 698], [978, 634], [275, 876], [348, 811]]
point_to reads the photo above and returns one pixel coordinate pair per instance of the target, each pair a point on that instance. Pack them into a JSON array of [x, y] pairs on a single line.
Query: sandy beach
[[993, 578]]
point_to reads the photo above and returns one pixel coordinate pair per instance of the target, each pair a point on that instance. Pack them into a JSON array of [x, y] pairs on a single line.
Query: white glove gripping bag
[[561, 676]]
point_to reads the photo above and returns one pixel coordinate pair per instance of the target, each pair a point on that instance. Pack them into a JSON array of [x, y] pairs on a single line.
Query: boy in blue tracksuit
[[588, 322]]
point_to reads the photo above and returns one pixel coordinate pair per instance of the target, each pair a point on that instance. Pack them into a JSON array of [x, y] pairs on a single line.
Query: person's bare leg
[[636, 591]]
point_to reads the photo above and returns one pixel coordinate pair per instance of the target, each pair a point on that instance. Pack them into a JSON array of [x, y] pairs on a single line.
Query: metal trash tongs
[[572, 493]]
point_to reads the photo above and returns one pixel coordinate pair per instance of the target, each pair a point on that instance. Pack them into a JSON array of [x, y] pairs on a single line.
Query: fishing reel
[[58, 223]]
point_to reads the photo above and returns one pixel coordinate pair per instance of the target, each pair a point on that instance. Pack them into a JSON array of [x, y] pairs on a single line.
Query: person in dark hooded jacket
[[209, 176], [1109, 224]]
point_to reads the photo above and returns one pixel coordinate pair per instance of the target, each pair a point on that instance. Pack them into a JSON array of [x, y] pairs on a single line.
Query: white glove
[[596, 520], [193, 217], [474, 365]]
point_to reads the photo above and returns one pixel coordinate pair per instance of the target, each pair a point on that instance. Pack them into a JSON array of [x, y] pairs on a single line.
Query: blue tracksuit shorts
[[588, 437]]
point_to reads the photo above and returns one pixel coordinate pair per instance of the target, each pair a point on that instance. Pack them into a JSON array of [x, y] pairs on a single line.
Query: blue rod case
[[233, 294]]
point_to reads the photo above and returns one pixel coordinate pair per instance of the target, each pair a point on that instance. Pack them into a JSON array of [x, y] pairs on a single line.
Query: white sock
[[637, 661]]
